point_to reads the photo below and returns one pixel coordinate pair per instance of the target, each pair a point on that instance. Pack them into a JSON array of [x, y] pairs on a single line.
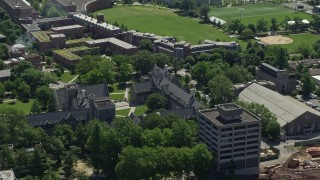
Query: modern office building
[[234, 135]]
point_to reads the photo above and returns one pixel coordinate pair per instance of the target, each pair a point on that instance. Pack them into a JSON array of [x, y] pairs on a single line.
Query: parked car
[[309, 104], [312, 96]]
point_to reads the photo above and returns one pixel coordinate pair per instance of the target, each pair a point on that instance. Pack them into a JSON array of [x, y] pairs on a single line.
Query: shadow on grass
[[120, 86]]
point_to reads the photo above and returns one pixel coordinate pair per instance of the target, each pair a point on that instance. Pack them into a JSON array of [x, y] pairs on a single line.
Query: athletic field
[[252, 12], [163, 22]]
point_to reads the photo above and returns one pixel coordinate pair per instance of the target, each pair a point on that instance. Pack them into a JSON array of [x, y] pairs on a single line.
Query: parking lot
[[315, 101]]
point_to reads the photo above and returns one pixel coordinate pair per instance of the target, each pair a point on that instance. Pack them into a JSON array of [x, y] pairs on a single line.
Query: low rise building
[[5, 75], [95, 98], [35, 59], [71, 56], [99, 29], [54, 21], [29, 28], [115, 45], [161, 81], [46, 40], [66, 5], [234, 134], [285, 81], [47, 121], [71, 31], [295, 118], [19, 10]]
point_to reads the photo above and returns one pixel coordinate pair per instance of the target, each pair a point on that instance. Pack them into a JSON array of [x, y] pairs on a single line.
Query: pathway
[[132, 109], [73, 79], [126, 94]]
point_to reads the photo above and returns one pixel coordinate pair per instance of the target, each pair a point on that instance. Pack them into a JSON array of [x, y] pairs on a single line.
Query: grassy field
[[252, 12], [123, 112], [68, 53], [163, 22], [117, 97], [116, 88], [67, 77], [20, 106], [41, 36], [140, 110], [305, 38]]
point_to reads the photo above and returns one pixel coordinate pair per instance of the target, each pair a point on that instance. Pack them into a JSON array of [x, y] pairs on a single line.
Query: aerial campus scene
[[163, 89]]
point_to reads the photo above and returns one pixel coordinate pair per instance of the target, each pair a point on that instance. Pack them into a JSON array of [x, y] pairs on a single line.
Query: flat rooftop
[[76, 26], [44, 20], [68, 53], [31, 27], [57, 35], [213, 116], [41, 36], [66, 2], [20, 4], [95, 21], [113, 41], [5, 73], [75, 41]]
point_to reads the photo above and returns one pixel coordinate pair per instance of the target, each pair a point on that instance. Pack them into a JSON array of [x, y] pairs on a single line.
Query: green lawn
[[68, 53], [252, 12], [117, 97], [20, 106], [123, 112], [140, 110], [117, 88], [67, 77], [41, 36], [163, 22], [304, 38]]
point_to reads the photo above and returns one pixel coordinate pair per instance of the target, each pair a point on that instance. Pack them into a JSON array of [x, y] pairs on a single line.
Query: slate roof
[[142, 87], [99, 90], [285, 108], [186, 113], [56, 117], [178, 94], [75, 94]]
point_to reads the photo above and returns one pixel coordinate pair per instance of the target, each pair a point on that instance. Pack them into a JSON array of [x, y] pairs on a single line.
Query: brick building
[[295, 118], [115, 45], [47, 40], [66, 5], [285, 81], [54, 21], [234, 134], [19, 10], [71, 56], [71, 31], [99, 29]]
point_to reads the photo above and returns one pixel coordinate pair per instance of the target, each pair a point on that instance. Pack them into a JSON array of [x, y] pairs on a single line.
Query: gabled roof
[[142, 87], [285, 108], [177, 93], [186, 113], [99, 90], [57, 117]]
